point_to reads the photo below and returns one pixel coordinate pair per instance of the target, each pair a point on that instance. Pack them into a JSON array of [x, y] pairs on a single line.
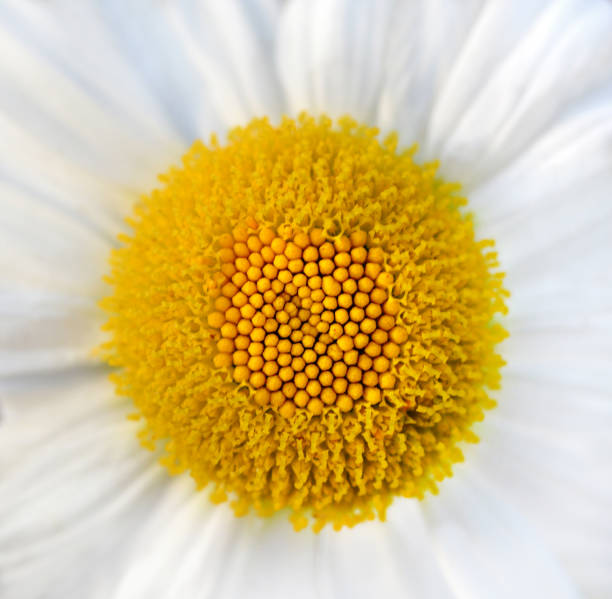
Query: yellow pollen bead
[[240, 358], [284, 359], [313, 388], [257, 260], [310, 254], [254, 244], [342, 244], [229, 330], [266, 236], [331, 286], [355, 390], [386, 322], [270, 368], [249, 288], [328, 396], [315, 406], [278, 245], [326, 378], [326, 250], [386, 381], [267, 254], [226, 241], [317, 237], [241, 374], [262, 397], [242, 342], [240, 299], [311, 269], [353, 374], [222, 360], [376, 255], [277, 399], [298, 364], [340, 385], [289, 390], [255, 349], [369, 378], [286, 374], [379, 336], [310, 356], [229, 270], [255, 363], [258, 334], [256, 300], [364, 362], [226, 255], [351, 357], [358, 238], [241, 250], [373, 349], [270, 353], [216, 320], [345, 403], [301, 398], [326, 266], [356, 271], [373, 311], [292, 251], [360, 339], [372, 395], [273, 383], [378, 296], [398, 335], [222, 304], [240, 233], [257, 380], [341, 275], [391, 350], [287, 410]]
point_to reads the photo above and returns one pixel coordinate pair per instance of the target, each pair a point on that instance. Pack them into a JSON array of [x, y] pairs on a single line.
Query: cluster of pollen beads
[[307, 322], [248, 298]]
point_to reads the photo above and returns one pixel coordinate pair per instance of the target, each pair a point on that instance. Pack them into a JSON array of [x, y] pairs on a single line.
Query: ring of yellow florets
[[306, 319], [307, 322]]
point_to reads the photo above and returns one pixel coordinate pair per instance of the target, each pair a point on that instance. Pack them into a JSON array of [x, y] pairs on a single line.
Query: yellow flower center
[[306, 321], [304, 315]]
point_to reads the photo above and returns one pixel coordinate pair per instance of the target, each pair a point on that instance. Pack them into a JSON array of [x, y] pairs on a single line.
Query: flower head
[[304, 316]]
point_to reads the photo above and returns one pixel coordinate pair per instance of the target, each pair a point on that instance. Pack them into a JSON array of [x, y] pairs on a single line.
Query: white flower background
[[514, 98]]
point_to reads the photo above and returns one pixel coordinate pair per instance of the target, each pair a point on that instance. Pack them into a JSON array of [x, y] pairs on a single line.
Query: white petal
[[41, 332], [546, 449], [79, 124], [183, 547], [74, 485], [330, 56], [424, 39], [52, 263], [394, 559], [517, 73], [204, 59], [549, 205], [486, 548], [391, 559]]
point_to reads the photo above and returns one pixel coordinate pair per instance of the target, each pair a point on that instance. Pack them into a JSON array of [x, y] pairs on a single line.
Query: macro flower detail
[[305, 316], [368, 313]]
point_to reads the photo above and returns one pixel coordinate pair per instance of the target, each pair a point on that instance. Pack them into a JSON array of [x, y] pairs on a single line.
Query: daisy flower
[[305, 299]]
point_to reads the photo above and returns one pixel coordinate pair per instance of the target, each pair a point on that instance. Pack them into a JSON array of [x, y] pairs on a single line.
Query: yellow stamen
[[305, 316]]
